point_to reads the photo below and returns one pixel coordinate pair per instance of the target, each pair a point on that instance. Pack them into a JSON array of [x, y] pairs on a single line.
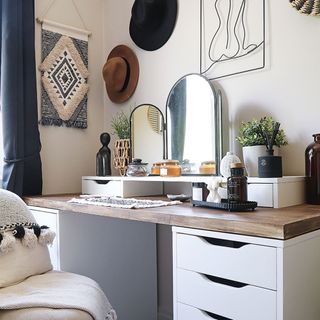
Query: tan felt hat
[[121, 73]]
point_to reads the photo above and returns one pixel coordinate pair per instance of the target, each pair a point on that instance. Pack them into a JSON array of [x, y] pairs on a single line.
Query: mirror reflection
[[193, 123], [147, 133]]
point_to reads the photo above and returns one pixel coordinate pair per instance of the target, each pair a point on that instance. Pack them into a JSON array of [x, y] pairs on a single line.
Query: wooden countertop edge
[[294, 229], [207, 223], [190, 217]]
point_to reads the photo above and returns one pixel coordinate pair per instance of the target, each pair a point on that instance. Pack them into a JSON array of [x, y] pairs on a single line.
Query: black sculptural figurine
[[103, 164]]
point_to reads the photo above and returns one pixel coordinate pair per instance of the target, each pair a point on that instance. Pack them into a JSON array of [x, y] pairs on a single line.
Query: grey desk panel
[[121, 255]]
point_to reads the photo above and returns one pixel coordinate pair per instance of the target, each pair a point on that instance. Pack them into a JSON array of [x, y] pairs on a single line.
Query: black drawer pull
[[215, 316], [225, 243], [226, 282], [101, 181]]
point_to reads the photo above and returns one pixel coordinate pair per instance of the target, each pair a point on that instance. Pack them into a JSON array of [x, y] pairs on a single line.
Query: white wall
[[287, 89], [68, 153]]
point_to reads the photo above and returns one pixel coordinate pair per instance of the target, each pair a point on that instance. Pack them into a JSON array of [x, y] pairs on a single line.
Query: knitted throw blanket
[[58, 290]]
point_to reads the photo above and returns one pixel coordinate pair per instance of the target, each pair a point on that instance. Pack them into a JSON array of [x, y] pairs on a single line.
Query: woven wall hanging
[[64, 74]]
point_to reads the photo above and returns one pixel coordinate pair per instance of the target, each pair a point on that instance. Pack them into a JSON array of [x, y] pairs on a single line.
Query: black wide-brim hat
[[152, 22]]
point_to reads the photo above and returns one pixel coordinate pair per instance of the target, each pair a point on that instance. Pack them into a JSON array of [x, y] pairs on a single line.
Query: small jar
[[237, 184], [208, 167], [170, 168], [137, 168], [155, 169], [199, 191]]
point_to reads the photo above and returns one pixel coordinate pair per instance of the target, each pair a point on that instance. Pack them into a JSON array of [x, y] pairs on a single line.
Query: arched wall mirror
[[147, 137], [192, 131], [193, 121]]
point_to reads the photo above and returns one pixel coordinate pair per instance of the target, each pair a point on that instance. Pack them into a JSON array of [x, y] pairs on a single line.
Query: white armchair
[[29, 288]]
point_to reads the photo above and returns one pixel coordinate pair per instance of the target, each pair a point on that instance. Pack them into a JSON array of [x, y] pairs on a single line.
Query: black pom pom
[[19, 232], [1, 237], [37, 230], [44, 227]]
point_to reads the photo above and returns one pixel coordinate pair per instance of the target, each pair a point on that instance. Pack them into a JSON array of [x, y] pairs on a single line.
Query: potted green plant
[[120, 124], [253, 141]]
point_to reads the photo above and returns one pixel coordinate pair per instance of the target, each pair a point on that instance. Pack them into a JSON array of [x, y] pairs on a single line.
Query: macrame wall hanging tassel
[[7, 241]]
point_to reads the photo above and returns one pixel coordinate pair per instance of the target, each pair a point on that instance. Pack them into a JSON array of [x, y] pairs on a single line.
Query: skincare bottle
[[237, 184]]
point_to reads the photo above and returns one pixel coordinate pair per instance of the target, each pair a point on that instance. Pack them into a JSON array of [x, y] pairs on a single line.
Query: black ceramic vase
[[103, 158]]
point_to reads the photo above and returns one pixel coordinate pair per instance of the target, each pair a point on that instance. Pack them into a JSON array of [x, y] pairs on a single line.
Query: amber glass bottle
[[237, 184], [312, 164]]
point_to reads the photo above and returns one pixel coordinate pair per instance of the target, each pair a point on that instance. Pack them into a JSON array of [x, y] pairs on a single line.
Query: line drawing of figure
[[229, 40]]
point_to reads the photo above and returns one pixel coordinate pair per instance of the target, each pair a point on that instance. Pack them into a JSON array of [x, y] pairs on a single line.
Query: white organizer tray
[[268, 192]]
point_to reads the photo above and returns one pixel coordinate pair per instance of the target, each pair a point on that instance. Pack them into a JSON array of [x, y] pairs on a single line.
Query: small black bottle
[[237, 184]]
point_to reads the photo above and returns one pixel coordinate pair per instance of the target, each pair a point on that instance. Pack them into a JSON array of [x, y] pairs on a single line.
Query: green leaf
[[121, 125]]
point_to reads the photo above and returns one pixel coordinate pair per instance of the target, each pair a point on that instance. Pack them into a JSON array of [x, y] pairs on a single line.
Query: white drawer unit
[[120, 186], [233, 277], [255, 264], [267, 192], [277, 192]]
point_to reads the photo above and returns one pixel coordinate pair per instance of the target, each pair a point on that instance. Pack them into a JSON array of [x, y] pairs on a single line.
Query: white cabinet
[[228, 276], [49, 218]]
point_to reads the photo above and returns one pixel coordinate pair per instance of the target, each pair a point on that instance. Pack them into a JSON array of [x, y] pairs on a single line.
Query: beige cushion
[[23, 262], [44, 314]]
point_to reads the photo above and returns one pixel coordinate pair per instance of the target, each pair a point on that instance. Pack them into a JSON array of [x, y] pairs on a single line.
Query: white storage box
[[268, 192], [277, 192], [120, 186]]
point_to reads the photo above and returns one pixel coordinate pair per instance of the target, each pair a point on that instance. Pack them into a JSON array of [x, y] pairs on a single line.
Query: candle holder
[[270, 166]]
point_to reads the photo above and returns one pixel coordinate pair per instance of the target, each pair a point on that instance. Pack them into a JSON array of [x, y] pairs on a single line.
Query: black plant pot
[[270, 166]]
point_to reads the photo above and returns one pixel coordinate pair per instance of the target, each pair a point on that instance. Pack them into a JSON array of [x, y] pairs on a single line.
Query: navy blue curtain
[[22, 169]]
